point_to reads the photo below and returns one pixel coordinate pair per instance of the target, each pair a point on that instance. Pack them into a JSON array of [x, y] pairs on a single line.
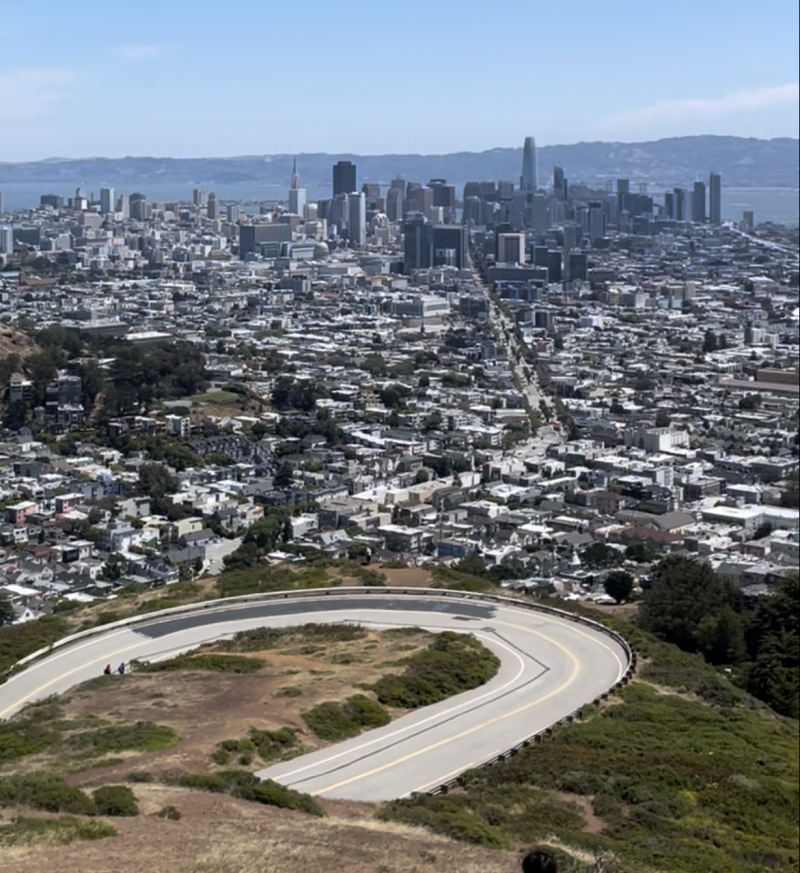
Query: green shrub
[[115, 800], [240, 783], [269, 745], [337, 721], [140, 776], [19, 640], [289, 691], [220, 756], [26, 736], [22, 831], [451, 664], [264, 638], [169, 812], [273, 794], [143, 736], [441, 817], [46, 792], [206, 662]]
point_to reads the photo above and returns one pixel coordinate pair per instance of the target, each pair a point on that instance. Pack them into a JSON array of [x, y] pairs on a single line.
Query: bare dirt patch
[[594, 825], [218, 834]]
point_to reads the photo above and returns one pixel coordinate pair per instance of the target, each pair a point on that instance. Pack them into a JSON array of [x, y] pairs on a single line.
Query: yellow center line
[[576, 669], [35, 693]]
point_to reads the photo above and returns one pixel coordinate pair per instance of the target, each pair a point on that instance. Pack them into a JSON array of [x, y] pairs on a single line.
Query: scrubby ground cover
[[683, 771]]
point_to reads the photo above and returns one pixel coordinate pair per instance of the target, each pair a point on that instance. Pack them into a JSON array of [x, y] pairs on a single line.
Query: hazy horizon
[[354, 81]]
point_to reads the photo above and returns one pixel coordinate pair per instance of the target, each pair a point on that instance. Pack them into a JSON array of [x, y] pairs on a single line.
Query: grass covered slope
[[680, 773]]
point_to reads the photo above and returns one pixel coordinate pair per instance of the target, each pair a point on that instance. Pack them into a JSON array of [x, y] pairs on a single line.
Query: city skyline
[[110, 88]]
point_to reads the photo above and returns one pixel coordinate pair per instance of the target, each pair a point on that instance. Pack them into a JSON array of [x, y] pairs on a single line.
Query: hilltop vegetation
[[680, 773]]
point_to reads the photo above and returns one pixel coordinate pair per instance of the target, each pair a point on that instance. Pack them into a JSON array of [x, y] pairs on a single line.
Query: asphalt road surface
[[550, 667]]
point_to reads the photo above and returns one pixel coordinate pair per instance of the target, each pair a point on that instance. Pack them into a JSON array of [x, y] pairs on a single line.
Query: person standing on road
[[539, 861], [121, 669], [107, 671]]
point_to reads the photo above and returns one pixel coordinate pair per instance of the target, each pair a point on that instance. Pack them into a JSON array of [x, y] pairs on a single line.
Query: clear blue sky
[[218, 78]]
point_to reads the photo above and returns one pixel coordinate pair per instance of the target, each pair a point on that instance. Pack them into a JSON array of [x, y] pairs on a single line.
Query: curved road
[[550, 667]]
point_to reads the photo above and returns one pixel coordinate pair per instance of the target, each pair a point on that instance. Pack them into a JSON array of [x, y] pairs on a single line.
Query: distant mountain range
[[682, 160]]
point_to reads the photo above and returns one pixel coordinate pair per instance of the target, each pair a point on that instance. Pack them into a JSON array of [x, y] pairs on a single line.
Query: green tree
[[7, 614], [283, 478], [421, 476], [619, 585], [359, 552], [599, 556], [687, 605]]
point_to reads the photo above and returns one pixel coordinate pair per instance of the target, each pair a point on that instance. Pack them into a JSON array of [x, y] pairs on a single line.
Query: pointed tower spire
[[295, 177]]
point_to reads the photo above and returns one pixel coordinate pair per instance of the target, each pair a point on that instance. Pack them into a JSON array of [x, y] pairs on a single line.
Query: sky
[[172, 79]]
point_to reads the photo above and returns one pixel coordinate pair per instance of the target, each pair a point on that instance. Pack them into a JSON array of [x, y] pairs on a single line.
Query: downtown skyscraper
[[529, 181]]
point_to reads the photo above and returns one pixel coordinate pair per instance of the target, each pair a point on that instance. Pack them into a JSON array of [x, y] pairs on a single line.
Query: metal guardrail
[[440, 593]]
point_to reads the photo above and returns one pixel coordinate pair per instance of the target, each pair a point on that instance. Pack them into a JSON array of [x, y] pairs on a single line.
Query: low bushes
[[240, 783], [19, 640], [23, 831], [115, 800], [268, 745], [679, 784], [45, 792], [170, 812], [143, 736], [51, 793], [205, 662], [337, 721], [26, 736], [260, 639], [451, 664], [442, 817]]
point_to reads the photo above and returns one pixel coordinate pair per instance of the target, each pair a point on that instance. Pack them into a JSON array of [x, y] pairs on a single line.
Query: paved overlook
[[550, 666]]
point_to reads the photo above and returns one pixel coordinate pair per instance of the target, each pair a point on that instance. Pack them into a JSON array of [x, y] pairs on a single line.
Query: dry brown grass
[[218, 834]]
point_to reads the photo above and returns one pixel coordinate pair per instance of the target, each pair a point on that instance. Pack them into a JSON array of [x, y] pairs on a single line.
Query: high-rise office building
[[699, 202], [139, 208], [212, 206], [344, 178], [444, 195], [107, 201], [357, 219], [559, 184], [394, 200], [2, 205], [510, 248], [530, 173], [669, 204], [715, 198], [199, 197], [597, 222], [419, 199], [417, 245], [450, 245], [6, 241], [679, 204], [232, 212], [54, 200], [297, 194]]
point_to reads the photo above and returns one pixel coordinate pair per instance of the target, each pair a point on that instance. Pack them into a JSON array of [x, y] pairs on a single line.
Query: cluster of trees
[[138, 377], [289, 393], [261, 538], [689, 605], [135, 378]]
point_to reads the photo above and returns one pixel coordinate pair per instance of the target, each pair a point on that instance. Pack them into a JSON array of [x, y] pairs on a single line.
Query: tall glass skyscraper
[[530, 174], [715, 198]]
